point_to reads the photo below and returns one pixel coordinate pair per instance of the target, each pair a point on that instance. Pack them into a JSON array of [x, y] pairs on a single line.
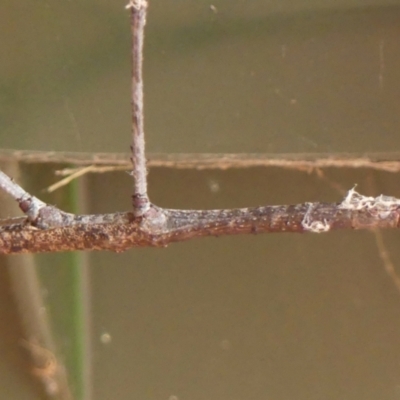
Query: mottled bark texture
[[159, 227], [47, 228], [140, 200]]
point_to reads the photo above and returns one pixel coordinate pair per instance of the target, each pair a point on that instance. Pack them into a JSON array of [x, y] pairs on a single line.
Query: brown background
[[259, 317]]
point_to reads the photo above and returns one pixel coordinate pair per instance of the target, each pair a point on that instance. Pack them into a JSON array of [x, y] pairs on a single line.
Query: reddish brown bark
[[160, 227]]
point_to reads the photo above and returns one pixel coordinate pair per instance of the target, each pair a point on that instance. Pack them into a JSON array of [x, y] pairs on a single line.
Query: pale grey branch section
[[30, 205], [39, 214], [16, 191]]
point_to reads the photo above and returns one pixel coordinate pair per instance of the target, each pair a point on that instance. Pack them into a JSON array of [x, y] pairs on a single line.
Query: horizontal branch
[[159, 227], [388, 161]]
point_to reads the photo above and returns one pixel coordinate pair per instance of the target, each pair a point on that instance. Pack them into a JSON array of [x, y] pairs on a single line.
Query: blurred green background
[[275, 316]]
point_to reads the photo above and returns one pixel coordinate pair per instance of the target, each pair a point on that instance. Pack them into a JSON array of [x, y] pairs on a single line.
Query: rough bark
[[55, 230], [47, 228]]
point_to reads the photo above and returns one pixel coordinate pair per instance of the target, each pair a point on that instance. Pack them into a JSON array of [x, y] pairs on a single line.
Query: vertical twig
[[138, 20]]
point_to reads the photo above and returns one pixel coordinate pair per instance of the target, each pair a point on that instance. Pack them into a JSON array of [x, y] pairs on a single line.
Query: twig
[[388, 162], [16, 191], [73, 175], [30, 205], [140, 198], [29, 297], [160, 227], [50, 229], [39, 214]]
